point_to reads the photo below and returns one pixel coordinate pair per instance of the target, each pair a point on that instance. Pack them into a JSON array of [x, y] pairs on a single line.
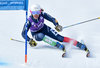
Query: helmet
[[35, 9]]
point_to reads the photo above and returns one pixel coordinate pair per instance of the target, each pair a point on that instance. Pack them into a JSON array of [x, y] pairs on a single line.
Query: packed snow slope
[[67, 12]]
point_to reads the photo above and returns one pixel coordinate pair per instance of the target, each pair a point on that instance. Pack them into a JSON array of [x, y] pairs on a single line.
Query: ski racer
[[41, 32]]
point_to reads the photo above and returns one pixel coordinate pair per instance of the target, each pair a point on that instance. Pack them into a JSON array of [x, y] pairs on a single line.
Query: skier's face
[[36, 16]]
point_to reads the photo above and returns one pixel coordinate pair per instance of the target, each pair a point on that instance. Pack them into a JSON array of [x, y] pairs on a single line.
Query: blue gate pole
[[26, 7], [26, 40]]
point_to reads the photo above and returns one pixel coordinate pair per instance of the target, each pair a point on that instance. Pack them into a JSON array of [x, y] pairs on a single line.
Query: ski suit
[[39, 30]]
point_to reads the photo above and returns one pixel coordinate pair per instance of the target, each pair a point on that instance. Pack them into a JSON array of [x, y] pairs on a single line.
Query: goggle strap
[[30, 11]]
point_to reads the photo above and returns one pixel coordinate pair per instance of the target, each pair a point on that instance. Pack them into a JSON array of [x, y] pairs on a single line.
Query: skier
[[42, 32]]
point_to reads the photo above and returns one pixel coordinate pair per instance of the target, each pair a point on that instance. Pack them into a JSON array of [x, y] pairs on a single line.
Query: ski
[[88, 54], [64, 55]]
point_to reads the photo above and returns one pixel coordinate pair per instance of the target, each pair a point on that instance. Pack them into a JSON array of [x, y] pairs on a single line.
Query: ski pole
[[81, 22], [17, 40]]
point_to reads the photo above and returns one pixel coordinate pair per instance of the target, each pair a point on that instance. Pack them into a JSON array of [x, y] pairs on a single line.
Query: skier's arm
[[50, 18], [53, 20], [23, 31]]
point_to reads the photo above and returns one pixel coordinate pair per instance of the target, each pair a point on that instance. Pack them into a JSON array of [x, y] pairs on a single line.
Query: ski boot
[[83, 47], [62, 47]]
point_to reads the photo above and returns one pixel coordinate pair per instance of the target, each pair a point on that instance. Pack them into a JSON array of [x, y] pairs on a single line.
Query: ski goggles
[[35, 12]]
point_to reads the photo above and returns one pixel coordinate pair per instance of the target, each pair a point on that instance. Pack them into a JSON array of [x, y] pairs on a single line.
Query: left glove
[[32, 43], [58, 28]]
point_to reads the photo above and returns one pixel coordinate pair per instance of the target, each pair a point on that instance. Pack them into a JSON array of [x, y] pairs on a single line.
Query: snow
[[67, 12]]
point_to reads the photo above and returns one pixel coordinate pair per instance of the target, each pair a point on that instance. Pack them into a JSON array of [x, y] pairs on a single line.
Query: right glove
[[32, 43], [58, 28]]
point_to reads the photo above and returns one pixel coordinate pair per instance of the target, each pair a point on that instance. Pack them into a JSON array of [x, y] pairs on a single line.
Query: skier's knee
[[60, 38], [39, 36]]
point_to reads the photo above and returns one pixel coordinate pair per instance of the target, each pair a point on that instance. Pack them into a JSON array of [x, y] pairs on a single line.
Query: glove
[[58, 28], [32, 43]]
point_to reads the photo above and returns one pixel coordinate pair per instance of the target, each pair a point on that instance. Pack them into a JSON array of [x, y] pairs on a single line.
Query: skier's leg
[[53, 34], [76, 43], [39, 36], [47, 39]]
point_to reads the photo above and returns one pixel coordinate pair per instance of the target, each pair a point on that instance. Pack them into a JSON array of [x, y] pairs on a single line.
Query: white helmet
[[35, 7]]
